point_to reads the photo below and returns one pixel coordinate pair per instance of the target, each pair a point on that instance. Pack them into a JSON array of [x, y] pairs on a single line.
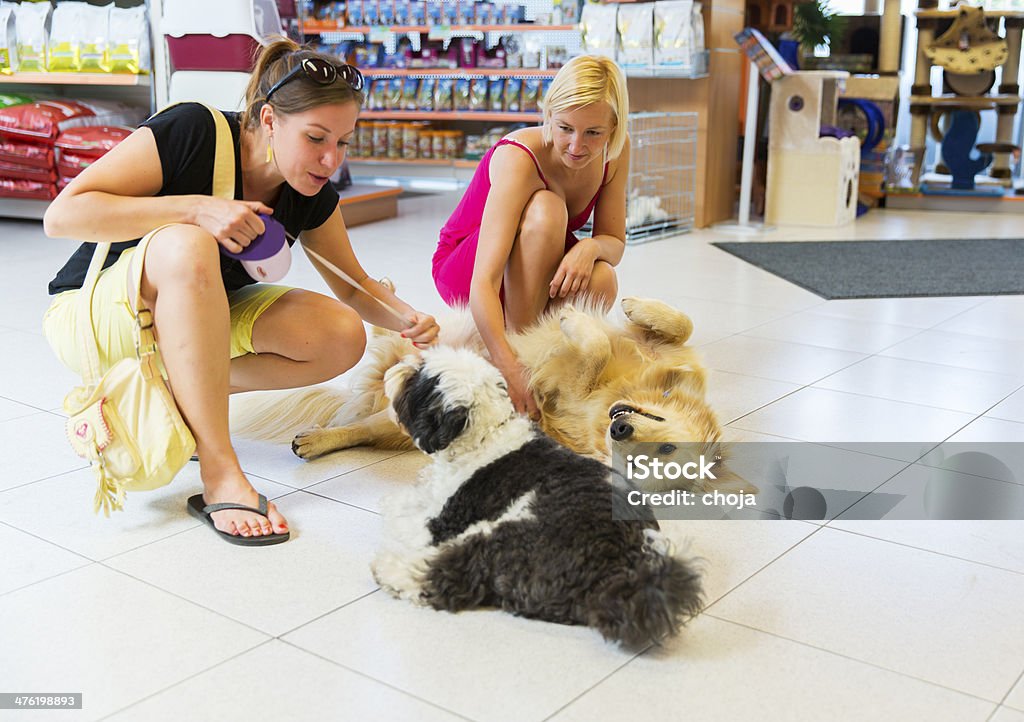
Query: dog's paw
[[658, 317], [397, 577], [311, 443], [582, 331]]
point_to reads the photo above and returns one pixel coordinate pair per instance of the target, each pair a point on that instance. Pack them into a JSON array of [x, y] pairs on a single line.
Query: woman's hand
[[518, 378], [574, 272], [423, 330], [233, 223]]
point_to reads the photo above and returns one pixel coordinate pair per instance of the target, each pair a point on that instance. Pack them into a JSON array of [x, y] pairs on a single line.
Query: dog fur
[[584, 369], [506, 517]]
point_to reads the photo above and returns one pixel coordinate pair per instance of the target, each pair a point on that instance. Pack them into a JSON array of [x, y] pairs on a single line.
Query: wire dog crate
[[662, 175]]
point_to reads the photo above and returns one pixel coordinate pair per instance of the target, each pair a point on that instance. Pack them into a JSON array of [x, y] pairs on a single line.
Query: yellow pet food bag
[[8, 39], [95, 32], [32, 37], [129, 40], [64, 44]]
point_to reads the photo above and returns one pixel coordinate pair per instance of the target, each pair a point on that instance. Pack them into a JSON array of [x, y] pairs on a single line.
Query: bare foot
[[242, 523]]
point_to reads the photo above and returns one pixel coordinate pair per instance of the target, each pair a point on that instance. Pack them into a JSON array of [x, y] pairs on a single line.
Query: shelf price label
[[440, 32], [379, 33]]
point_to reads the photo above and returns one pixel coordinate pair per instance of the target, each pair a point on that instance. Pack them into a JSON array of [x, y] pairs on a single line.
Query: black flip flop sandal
[[202, 511]]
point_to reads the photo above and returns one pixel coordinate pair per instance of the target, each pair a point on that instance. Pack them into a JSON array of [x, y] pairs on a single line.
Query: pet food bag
[[496, 94], [16, 171], [673, 33], [478, 94], [129, 40], [697, 26], [93, 141], [40, 122], [8, 38], [14, 188], [26, 154], [598, 26], [636, 34], [71, 164], [65, 46], [43, 121], [424, 95], [9, 99], [443, 94], [32, 19], [94, 36], [513, 95]]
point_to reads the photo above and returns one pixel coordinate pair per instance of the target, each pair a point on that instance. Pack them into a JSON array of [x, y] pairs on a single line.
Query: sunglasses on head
[[321, 72]]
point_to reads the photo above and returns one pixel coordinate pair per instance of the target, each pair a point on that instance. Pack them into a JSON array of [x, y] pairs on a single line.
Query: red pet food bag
[[32, 154], [11, 188], [40, 121], [92, 141], [9, 171]]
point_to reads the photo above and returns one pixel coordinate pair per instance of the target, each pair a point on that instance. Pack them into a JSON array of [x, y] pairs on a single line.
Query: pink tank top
[[466, 217]]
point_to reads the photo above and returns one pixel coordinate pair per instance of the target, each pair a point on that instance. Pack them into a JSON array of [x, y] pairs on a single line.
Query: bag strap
[[145, 340]]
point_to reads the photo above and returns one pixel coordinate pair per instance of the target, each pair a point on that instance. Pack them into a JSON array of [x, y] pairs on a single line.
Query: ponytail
[[274, 62]]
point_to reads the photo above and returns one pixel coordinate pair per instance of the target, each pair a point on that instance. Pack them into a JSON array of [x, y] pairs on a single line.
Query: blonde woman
[[509, 249], [219, 331]]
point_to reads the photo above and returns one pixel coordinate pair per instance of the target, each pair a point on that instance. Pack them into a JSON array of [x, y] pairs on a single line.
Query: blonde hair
[[273, 63], [584, 80]]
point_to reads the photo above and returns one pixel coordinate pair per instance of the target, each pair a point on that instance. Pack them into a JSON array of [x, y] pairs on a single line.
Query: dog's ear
[[441, 429], [396, 376], [421, 410]]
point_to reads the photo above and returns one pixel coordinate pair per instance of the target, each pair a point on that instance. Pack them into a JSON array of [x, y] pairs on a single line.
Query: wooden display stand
[[1006, 102], [811, 180], [715, 99], [365, 204]]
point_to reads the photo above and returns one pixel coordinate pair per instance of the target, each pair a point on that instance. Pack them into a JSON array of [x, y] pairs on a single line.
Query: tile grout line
[[815, 530], [185, 679], [851, 658], [389, 685], [599, 682], [906, 545]]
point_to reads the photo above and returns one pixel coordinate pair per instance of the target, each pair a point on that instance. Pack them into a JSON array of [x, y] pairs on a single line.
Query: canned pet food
[[437, 144], [395, 131], [411, 141], [380, 140], [426, 144]]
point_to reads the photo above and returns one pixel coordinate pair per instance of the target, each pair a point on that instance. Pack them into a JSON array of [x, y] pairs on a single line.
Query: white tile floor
[[153, 618]]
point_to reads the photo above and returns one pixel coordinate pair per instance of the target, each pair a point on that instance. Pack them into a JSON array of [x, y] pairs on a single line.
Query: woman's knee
[[340, 335], [182, 253], [604, 284], [545, 216]]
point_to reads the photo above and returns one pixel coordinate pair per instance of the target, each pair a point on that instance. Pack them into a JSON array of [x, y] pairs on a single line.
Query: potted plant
[[814, 24]]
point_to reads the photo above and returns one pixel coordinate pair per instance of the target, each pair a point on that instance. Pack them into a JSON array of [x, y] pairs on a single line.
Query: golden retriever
[[602, 387]]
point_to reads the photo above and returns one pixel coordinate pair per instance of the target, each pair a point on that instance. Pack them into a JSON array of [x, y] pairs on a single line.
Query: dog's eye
[[666, 448], [503, 386]]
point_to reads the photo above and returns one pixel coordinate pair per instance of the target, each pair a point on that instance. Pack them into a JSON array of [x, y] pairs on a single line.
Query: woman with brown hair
[[219, 331]]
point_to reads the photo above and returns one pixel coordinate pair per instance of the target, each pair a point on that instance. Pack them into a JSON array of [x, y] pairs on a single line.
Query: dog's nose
[[621, 430]]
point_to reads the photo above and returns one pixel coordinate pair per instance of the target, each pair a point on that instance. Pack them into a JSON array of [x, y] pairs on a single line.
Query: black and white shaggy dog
[[505, 517]]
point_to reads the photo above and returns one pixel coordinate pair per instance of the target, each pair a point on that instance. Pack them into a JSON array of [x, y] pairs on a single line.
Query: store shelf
[[75, 79], [457, 72], [965, 101], [420, 162], [23, 208], [950, 14], [450, 115], [315, 27], [656, 71]]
